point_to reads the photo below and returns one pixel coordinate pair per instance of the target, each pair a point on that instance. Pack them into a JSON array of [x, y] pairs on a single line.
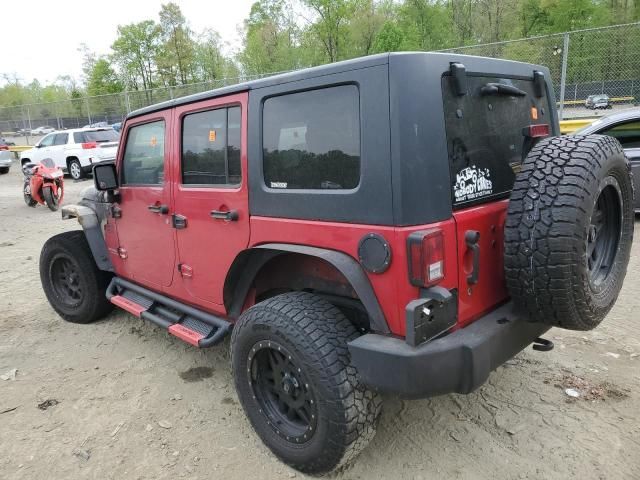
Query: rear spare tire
[[569, 231]]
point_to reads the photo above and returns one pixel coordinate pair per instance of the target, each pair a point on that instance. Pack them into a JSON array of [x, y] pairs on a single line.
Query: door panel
[[210, 188], [475, 299], [144, 230]]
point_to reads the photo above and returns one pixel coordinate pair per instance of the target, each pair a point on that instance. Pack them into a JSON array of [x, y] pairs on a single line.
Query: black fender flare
[[249, 262], [90, 223]]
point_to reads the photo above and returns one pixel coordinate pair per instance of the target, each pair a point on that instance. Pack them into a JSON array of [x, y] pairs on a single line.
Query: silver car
[[624, 126], [6, 157]]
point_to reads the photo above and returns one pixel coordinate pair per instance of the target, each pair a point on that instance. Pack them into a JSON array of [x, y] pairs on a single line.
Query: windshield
[[49, 163], [99, 136]]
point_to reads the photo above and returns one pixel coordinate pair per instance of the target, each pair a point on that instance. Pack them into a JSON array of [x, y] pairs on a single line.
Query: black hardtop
[[492, 65], [405, 178]]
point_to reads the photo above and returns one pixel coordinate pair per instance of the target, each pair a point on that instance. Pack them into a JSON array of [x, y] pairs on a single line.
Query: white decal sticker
[[472, 183], [278, 184]]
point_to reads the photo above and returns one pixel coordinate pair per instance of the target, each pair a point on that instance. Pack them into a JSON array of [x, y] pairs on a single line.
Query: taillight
[[426, 257], [537, 131], [88, 145]]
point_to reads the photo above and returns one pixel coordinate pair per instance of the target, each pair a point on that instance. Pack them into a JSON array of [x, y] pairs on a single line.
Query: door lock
[[179, 221]]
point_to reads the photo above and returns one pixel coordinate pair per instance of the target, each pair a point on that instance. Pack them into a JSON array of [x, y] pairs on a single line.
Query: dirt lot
[[121, 399]]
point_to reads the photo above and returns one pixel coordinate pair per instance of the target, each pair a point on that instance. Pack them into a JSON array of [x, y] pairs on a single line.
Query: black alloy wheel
[[282, 390]]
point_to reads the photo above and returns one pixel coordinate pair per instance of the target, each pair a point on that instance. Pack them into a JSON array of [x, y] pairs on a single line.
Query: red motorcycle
[[43, 184]]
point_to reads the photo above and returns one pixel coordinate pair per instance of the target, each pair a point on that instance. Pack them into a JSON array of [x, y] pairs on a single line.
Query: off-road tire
[[314, 334], [50, 199], [75, 169], [550, 228], [72, 249]]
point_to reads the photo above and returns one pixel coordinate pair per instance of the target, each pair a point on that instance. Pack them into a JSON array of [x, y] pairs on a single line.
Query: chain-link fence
[[582, 63], [83, 111]]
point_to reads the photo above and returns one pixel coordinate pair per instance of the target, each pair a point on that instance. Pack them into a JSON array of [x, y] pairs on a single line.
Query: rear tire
[[75, 169], [569, 231], [292, 372], [72, 282]]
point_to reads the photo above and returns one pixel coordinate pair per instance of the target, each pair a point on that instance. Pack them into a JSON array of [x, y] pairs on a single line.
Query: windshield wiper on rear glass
[[501, 89]]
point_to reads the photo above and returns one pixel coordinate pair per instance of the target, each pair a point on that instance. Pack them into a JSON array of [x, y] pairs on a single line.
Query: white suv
[[76, 150]]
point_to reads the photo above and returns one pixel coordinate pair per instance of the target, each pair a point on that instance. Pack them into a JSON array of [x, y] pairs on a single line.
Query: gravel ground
[[120, 399]]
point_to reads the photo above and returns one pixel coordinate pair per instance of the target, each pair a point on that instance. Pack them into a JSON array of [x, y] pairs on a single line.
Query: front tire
[[75, 169], [294, 379], [72, 282], [52, 201], [4, 170]]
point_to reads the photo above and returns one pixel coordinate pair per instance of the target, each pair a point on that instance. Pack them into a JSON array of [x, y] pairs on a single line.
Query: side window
[[211, 147], [61, 139], [47, 141], [143, 161], [628, 134], [78, 137], [311, 140]]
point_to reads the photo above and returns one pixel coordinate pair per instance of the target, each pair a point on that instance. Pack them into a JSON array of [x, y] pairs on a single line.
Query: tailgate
[[491, 125]]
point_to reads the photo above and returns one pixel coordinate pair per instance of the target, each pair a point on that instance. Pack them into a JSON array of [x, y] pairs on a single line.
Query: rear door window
[[485, 138], [61, 139], [211, 147], [143, 161]]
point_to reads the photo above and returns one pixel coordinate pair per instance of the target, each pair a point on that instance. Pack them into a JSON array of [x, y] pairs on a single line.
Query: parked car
[[5, 142], [75, 150], [6, 157], [117, 126], [97, 125], [624, 126], [594, 102], [400, 223], [42, 130]]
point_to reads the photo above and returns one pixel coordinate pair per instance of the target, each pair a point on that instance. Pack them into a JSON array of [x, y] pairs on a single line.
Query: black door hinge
[[179, 221]]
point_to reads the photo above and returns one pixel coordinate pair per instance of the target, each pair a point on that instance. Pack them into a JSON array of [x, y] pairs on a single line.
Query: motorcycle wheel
[[52, 201], [28, 199]]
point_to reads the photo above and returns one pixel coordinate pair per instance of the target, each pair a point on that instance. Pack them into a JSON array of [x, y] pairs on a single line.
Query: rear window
[[311, 140], [99, 136], [485, 139], [6, 155]]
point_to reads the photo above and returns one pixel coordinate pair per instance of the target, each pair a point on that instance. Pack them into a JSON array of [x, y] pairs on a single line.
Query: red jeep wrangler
[[399, 223]]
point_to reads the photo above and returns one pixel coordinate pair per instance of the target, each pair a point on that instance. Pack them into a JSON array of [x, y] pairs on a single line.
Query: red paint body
[[206, 249], [41, 178]]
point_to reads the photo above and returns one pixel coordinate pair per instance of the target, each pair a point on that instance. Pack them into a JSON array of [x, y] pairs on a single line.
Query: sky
[[40, 38]]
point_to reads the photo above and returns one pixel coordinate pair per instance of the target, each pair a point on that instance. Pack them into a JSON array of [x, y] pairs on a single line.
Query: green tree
[[331, 26], [271, 41], [135, 50], [176, 55], [102, 79]]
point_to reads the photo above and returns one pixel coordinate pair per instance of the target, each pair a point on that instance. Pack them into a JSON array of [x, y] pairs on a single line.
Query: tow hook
[[542, 344]]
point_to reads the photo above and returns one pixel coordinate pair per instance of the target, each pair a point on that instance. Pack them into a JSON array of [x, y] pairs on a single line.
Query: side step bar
[[189, 324]]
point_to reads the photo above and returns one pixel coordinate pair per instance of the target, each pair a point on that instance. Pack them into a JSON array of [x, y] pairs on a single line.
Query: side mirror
[[105, 176], [37, 145]]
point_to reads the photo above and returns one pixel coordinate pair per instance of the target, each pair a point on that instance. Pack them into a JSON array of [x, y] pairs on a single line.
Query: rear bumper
[[457, 363]]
